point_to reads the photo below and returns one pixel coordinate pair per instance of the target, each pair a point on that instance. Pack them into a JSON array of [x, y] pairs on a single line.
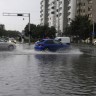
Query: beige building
[[87, 7]]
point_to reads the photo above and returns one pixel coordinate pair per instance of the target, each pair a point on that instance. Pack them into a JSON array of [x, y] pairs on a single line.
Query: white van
[[64, 40]]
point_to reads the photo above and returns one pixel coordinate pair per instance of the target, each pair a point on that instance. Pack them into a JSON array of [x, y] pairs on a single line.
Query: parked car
[[50, 44], [5, 45], [12, 40]]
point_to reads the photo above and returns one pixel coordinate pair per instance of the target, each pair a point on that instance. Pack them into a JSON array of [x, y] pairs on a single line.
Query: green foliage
[[32, 28], [80, 26], [9, 33], [2, 32], [39, 31], [36, 32]]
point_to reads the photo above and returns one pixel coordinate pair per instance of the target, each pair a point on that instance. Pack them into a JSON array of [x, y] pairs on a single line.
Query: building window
[[52, 7], [90, 1], [69, 7], [69, 1], [90, 8], [60, 8], [60, 14], [52, 12], [69, 13], [83, 4], [90, 15], [69, 19]]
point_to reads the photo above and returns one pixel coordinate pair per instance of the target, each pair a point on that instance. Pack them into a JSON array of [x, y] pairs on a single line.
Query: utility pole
[[29, 30], [93, 18], [93, 33], [21, 14]]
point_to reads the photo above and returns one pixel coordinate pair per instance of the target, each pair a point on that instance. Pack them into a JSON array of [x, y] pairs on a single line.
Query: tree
[[32, 29], [2, 32], [80, 26], [40, 31], [10, 33]]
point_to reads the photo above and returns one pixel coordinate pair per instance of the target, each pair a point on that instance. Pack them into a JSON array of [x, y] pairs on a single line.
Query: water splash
[[32, 52], [25, 50]]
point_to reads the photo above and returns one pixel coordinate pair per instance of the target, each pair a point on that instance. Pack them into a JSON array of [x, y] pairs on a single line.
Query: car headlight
[[9, 40]]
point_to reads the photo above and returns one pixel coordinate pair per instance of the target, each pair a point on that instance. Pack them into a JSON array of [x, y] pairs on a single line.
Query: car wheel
[[11, 47]]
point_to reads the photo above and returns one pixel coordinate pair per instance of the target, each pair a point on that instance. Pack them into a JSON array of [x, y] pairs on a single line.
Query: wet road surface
[[25, 72]]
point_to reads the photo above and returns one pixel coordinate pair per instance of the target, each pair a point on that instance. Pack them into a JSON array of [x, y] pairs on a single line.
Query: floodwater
[[25, 72]]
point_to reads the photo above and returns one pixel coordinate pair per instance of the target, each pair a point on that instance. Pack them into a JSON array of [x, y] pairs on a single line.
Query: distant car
[[12, 40], [50, 44], [5, 45]]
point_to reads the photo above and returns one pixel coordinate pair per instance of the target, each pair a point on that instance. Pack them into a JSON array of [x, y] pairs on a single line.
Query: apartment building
[[59, 13], [56, 15], [71, 10], [44, 12], [87, 7], [61, 16]]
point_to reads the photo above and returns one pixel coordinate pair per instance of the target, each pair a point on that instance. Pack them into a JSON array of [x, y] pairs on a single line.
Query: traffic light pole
[[29, 30], [21, 14]]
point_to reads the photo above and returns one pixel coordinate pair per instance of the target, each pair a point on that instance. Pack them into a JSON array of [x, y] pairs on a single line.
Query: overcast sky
[[19, 6]]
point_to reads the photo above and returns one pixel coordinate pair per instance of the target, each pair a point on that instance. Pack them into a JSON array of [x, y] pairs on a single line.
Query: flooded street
[[26, 72]]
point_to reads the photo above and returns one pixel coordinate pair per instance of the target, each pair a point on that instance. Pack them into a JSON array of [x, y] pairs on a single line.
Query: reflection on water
[[25, 72], [67, 75]]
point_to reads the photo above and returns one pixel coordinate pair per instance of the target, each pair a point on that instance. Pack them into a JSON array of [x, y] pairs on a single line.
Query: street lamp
[[21, 14]]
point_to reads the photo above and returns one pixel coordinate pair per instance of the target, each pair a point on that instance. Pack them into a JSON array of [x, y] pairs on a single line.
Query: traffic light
[[19, 14]]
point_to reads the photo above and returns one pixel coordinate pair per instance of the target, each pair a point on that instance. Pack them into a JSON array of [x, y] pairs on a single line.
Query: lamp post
[[21, 14]]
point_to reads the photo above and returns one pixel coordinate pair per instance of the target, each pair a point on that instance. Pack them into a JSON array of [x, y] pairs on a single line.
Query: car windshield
[[57, 42]]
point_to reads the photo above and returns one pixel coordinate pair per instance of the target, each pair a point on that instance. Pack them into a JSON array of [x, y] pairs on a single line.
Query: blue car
[[49, 44]]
